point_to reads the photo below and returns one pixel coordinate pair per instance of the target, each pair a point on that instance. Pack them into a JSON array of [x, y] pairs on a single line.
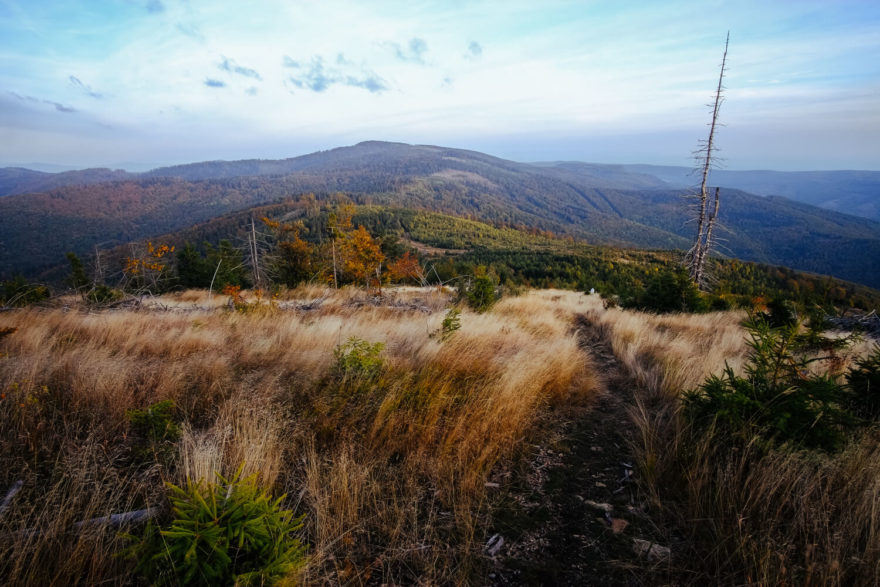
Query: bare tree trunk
[[379, 278], [255, 255], [333, 249], [99, 268], [695, 259], [213, 277], [701, 265]]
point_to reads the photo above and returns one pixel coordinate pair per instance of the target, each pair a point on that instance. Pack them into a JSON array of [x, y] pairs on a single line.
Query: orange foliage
[[149, 261], [406, 267], [363, 258]]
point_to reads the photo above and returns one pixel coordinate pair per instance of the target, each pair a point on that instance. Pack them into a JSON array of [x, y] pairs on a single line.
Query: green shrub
[[18, 292], [863, 381], [154, 431], [156, 423], [777, 399], [670, 290], [358, 358], [77, 279], [719, 304], [781, 312], [481, 294], [225, 533], [103, 294], [451, 323]]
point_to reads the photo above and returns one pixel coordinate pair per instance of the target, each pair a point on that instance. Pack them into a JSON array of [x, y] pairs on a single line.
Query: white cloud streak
[[339, 70]]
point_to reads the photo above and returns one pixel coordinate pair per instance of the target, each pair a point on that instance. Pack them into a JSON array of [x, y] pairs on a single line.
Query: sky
[[138, 84]]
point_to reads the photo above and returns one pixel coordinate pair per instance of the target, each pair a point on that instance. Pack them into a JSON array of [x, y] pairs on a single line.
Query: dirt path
[[573, 515]]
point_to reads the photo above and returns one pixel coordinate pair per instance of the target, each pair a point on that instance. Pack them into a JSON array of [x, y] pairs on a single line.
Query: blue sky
[[142, 83]]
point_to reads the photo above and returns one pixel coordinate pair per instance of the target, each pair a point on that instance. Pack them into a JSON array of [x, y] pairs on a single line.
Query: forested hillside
[[849, 192], [576, 200], [295, 240]]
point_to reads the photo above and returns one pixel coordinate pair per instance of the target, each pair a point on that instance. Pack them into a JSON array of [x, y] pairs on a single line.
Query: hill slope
[[17, 180], [848, 192], [593, 203]]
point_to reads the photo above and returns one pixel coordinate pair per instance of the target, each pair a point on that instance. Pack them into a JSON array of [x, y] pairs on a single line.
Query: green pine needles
[[780, 400], [451, 323], [226, 533], [358, 358]]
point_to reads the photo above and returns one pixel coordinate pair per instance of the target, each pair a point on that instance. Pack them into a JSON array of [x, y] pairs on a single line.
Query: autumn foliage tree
[[362, 257], [339, 225], [405, 268], [147, 267], [294, 259]]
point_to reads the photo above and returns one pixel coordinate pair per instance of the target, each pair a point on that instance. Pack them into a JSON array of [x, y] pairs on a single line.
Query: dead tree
[[695, 260], [254, 255]]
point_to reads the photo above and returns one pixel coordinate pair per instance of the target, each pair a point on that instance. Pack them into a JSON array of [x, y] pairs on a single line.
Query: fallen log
[[115, 520]]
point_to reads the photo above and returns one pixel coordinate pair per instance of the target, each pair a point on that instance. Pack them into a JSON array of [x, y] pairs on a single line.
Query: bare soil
[[571, 514]]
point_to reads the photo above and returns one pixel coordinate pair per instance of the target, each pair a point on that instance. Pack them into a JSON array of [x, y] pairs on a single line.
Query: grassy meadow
[[389, 465], [388, 425]]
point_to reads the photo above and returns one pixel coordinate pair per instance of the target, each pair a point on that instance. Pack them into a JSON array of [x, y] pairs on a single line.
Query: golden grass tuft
[[672, 352], [390, 470]]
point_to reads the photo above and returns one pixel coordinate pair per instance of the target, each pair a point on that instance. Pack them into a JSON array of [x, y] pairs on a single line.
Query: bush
[[103, 294], [225, 533], [18, 292], [720, 304], [156, 423], [451, 323], [777, 399], [154, 430], [358, 358], [481, 294], [780, 312], [77, 279], [863, 382], [670, 290]]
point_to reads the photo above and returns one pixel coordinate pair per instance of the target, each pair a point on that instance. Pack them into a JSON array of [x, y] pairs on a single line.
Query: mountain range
[[642, 206]]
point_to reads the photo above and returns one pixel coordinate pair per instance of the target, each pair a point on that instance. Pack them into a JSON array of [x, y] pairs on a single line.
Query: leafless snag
[[695, 259], [254, 254]]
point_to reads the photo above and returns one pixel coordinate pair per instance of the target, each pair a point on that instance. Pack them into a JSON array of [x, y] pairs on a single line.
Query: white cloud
[[422, 70]]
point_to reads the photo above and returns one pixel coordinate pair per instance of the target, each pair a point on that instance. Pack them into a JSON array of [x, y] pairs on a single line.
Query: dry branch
[[16, 487]]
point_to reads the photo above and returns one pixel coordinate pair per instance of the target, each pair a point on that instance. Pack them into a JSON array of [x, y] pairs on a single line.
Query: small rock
[[605, 507], [494, 544], [600, 484], [652, 550], [491, 485], [596, 448]]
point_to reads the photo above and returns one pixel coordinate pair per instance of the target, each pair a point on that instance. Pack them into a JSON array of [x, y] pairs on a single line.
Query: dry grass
[[390, 470], [783, 517], [668, 353], [750, 516]]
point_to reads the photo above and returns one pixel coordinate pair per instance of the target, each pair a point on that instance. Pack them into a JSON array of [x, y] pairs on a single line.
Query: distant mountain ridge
[[615, 205], [18, 180], [851, 192]]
